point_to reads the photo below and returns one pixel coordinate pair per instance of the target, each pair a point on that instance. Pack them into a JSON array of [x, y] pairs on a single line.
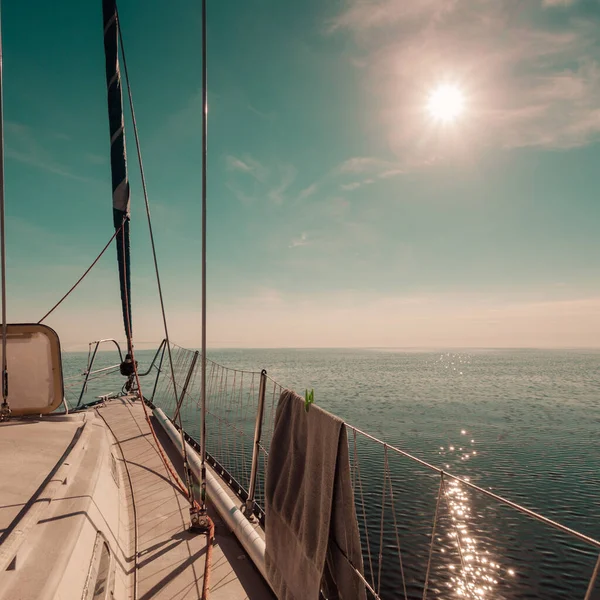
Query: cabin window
[[101, 585], [99, 577]]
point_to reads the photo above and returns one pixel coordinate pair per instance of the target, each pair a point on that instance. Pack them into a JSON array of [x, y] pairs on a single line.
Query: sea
[[521, 423]]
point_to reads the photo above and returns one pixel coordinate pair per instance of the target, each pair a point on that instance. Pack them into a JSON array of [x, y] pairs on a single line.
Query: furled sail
[[118, 158]]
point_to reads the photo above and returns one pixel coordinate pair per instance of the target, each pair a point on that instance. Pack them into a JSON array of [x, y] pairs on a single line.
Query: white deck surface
[[170, 560], [29, 450]]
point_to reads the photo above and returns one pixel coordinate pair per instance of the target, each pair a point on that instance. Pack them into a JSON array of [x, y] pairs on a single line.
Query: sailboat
[[92, 503], [170, 489]]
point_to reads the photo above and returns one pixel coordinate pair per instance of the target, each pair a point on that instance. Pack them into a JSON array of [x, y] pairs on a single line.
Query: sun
[[446, 103]]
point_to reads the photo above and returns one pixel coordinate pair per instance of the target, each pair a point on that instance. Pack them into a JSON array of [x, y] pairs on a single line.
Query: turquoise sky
[[340, 212]]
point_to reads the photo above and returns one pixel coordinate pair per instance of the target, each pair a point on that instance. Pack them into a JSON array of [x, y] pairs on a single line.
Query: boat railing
[[90, 376], [425, 532]]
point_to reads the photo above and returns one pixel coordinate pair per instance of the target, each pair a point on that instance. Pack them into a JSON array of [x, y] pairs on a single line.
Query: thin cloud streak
[[308, 192], [301, 241], [22, 146], [375, 168], [272, 183], [558, 2], [266, 116]]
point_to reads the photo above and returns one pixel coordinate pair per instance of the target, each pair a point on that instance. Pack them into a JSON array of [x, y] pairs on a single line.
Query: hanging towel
[[310, 513]]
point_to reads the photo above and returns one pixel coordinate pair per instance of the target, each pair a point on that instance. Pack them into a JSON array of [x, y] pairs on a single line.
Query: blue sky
[[340, 212]]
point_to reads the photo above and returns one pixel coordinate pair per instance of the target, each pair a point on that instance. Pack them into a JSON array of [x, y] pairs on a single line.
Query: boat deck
[[170, 558], [66, 479], [30, 449]]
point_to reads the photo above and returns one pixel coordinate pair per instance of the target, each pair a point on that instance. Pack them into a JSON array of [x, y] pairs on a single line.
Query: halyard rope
[[435, 518], [114, 235], [152, 244], [189, 493]]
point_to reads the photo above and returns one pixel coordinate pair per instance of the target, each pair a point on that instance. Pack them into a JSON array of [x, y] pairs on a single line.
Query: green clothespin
[[309, 398]]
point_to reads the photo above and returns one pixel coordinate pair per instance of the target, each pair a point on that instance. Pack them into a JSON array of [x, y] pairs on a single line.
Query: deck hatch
[[35, 382]]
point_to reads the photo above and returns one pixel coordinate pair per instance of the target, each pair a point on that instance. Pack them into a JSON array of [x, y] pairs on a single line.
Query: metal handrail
[[256, 446], [88, 371], [161, 347], [92, 357], [502, 500]]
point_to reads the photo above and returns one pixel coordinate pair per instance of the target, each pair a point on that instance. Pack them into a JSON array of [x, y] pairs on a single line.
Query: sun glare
[[446, 103]]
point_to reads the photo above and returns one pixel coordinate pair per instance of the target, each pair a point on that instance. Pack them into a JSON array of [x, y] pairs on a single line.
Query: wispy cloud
[[367, 14], [362, 164], [391, 173], [372, 167], [23, 146], [349, 187], [239, 193], [558, 2], [526, 83], [96, 159], [249, 165], [286, 175], [307, 192], [272, 182], [61, 135], [300, 241], [266, 116], [185, 121], [235, 164]]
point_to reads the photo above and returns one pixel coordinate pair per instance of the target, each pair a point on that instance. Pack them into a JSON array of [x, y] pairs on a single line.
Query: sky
[[341, 212]]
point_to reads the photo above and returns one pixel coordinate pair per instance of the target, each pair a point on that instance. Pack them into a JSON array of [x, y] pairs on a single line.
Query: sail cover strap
[[118, 158]]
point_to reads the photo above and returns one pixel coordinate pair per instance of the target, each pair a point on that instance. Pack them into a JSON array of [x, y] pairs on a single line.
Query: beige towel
[[310, 513]]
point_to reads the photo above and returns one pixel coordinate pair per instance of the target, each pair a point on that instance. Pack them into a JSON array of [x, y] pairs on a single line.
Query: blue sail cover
[[118, 158]]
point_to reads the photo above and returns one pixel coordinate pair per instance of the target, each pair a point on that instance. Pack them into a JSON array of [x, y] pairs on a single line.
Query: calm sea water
[[522, 423]]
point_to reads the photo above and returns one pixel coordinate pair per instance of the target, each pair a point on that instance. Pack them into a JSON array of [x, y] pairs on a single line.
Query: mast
[[118, 159], [4, 408], [204, 153]]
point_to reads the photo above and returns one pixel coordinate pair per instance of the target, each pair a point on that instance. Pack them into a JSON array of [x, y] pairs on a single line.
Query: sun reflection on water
[[474, 573]]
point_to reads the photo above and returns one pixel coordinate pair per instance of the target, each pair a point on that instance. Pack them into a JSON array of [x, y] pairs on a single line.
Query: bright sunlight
[[446, 103]]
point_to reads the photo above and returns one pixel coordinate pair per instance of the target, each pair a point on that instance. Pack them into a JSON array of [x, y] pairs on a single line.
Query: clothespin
[[309, 399]]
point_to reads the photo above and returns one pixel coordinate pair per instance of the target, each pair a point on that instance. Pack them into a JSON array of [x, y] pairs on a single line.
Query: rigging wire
[[204, 155], [194, 505], [146, 201], [114, 235], [4, 408], [184, 491], [187, 470]]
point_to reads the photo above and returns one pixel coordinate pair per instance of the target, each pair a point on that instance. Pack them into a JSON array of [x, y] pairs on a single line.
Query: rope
[[590, 590], [356, 473], [189, 493], [114, 235], [210, 535], [150, 230], [203, 341], [383, 503], [435, 517], [389, 475], [4, 409]]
